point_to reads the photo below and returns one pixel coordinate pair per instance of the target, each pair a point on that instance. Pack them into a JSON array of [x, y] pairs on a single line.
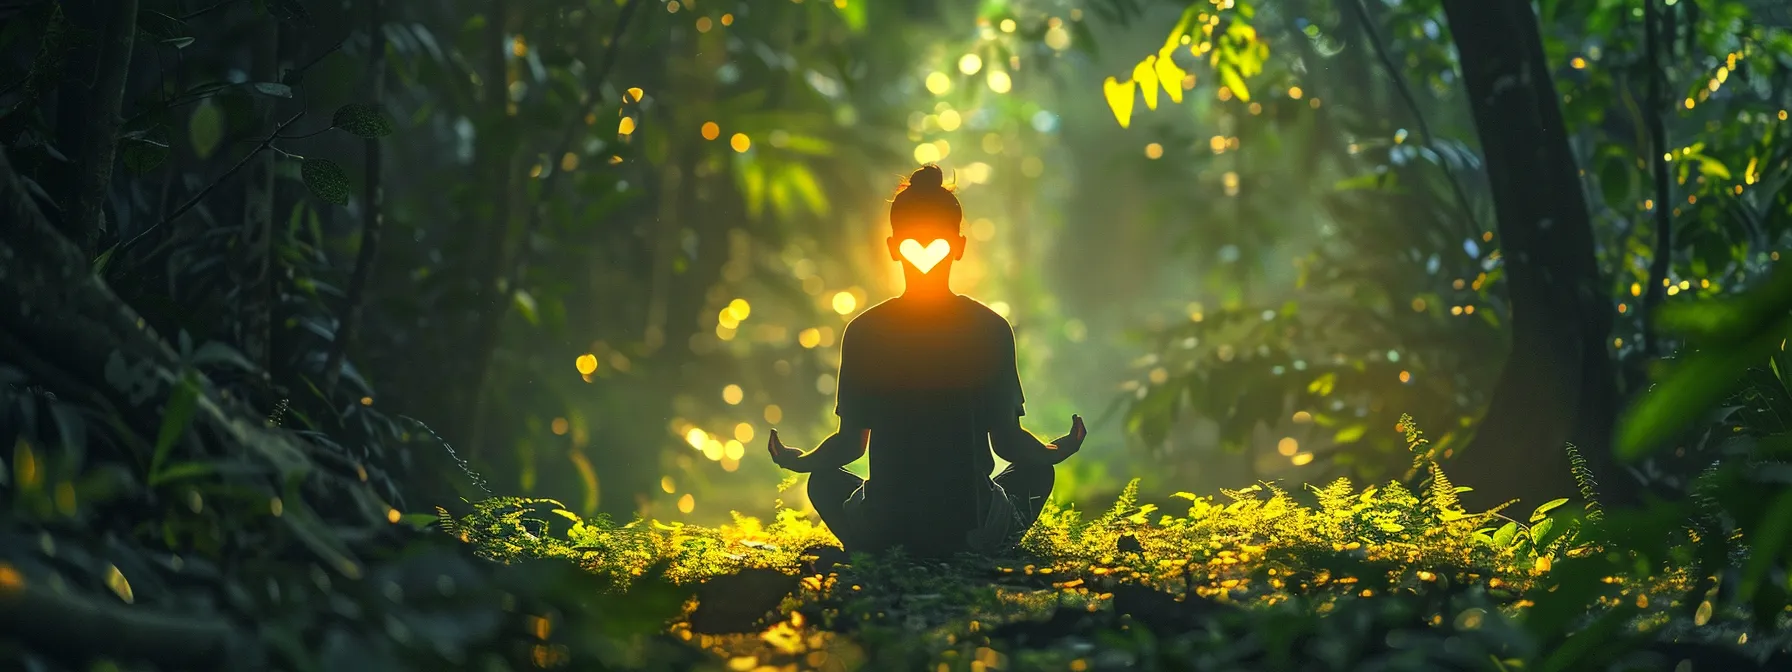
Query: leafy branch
[[1399, 78], [322, 176]]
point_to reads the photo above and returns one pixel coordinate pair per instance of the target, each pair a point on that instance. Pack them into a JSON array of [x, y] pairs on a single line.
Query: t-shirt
[[931, 378]]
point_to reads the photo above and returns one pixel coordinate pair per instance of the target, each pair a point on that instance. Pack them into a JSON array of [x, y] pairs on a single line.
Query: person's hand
[[784, 456], [1068, 444]]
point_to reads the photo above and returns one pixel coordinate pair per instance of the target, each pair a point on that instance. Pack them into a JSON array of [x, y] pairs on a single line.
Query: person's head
[[926, 213]]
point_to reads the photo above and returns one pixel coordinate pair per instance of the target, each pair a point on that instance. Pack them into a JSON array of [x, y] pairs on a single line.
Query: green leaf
[[525, 304], [1541, 530], [1351, 434], [853, 13], [362, 120], [175, 418], [205, 129], [274, 89], [104, 261], [326, 179], [1369, 180], [1543, 511], [312, 531], [1767, 544], [142, 155], [178, 42], [1688, 391], [182, 470], [1503, 537], [803, 181]]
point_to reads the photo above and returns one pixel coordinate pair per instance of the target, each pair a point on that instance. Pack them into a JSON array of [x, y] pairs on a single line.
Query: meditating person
[[928, 385]]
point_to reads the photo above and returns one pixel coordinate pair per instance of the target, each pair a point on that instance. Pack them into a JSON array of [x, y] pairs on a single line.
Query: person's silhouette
[[928, 385]]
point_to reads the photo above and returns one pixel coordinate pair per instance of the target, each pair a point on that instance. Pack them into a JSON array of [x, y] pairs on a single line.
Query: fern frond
[[1583, 479], [1335, 499], [1441, 496], [1502, 507], [1416, 443], [1129, 497]]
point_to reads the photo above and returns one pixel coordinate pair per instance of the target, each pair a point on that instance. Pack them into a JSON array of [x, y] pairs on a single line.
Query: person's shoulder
[[984, 314], [871, 318]]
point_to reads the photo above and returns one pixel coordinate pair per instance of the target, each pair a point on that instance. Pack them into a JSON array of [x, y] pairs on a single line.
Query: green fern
[[1441, 496], [1583, 479], [1336, 499], [279, 413], [1416, 443], [1129, 497]]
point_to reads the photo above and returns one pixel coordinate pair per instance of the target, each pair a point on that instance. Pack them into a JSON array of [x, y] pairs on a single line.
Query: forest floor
[[1335, 578]]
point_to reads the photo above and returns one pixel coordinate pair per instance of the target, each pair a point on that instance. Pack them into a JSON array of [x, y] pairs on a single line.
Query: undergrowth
[[1263, 551]]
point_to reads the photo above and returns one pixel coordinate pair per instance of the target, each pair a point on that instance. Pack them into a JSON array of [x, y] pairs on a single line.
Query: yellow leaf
[[116, 581], [1169, 74], [634, 95], [1322, 385], [1146, 76], [1119, 97], [1182, 26], [1229, 75], [1351, 434]]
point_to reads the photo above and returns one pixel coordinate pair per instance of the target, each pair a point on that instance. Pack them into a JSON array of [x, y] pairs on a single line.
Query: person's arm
[[839, 450], [852, 404], [1006, 404], [1017, 445]]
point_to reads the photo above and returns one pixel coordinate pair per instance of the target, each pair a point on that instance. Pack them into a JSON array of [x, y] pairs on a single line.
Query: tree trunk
[[255, 259], [1557, 385], [371, 208], [94, 181]]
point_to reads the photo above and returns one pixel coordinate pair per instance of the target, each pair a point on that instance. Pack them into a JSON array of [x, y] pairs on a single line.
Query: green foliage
[[362, 120], [326, 179], [1728, 337], [1518, 588], [205, 129]]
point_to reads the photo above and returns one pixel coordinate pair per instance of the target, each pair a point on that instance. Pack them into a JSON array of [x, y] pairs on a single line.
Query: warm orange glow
[[925, 258], [11, 580], [711, 130]]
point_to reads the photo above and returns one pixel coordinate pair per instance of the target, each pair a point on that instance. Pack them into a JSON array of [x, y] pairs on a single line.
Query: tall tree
[[100, 145], [1558, 384]]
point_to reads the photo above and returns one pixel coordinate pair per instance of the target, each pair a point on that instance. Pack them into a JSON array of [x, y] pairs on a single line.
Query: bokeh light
[[845, 303]]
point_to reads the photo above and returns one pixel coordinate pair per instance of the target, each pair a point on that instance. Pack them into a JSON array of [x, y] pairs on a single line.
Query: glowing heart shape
[[925, 258]]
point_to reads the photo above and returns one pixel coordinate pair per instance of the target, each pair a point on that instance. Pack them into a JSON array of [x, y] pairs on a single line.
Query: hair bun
[[927, 176]]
